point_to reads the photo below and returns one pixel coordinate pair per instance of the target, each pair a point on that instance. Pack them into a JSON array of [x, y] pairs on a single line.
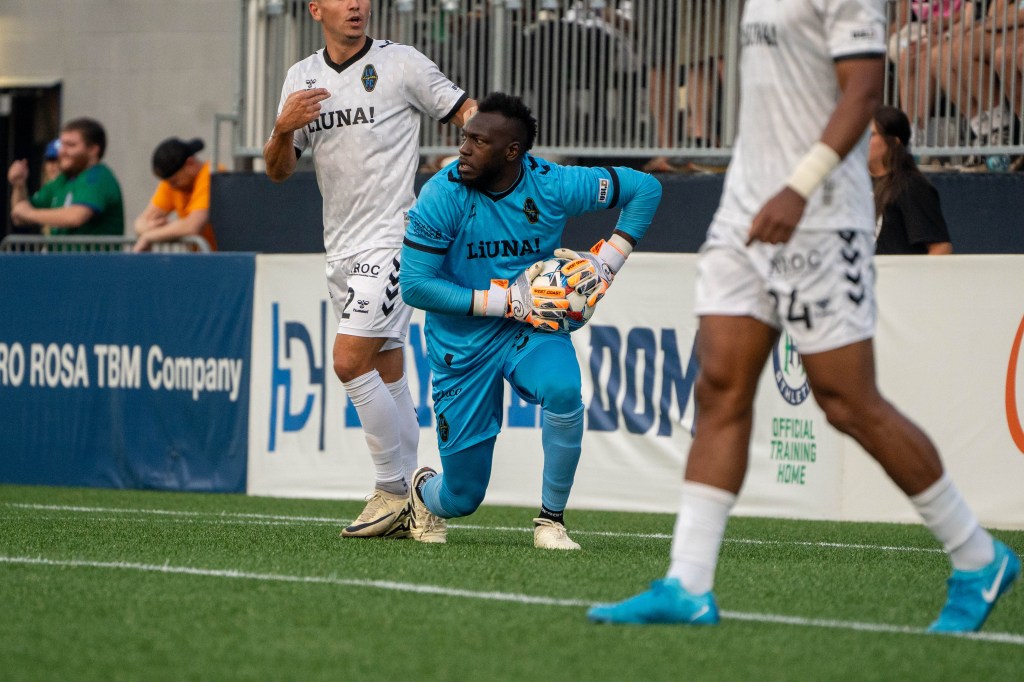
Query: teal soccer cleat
[[666, 602], [972, 594]]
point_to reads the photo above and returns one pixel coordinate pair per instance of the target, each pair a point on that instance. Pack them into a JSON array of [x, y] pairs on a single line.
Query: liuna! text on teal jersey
[[485, 236]]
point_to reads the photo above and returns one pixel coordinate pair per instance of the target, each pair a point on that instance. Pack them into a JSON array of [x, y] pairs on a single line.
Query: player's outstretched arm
[[425, 287], [861, 82]]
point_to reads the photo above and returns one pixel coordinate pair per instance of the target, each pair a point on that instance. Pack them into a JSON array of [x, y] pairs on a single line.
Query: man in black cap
[[184, 189]]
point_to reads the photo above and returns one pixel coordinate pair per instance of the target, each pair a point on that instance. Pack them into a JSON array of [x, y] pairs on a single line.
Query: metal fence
[[641, 78], [603, 78], [33, 243], [956, 72]]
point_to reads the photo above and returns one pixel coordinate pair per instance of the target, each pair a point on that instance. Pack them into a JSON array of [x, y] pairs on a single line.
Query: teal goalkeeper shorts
[[469, 404]]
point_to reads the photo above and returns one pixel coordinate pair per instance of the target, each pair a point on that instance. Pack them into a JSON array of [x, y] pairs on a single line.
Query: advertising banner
[[125, 371], [305, 437], [947, 352]]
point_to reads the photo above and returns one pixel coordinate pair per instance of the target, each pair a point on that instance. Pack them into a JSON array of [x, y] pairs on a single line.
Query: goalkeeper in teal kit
[[474, 241]]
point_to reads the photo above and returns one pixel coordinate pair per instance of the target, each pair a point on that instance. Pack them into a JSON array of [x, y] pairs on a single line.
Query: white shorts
[[365, 296], [819, 287]]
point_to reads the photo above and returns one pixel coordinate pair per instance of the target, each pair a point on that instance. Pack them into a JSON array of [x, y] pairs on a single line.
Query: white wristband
[[614, 252], [491, 302], [813, 169]]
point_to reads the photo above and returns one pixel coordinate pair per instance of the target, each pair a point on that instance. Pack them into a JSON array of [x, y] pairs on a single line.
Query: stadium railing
[[606, 78], [958, 78], [33, 243], [585, 68]]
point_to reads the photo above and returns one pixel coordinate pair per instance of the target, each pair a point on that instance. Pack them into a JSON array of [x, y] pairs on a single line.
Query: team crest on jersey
[[369, 78], [531, 211]]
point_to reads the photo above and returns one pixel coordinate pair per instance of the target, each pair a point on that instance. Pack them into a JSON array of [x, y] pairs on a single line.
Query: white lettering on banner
[[66, 365], [52, 365], [118, 366], [12, 364], [193, 374]]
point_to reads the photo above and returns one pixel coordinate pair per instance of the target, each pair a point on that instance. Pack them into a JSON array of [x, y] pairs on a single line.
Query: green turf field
[[110, 585]]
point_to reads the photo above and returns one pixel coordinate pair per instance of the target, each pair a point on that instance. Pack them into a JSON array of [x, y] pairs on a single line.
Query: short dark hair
[[171, 154], [512, 108], [91, 130]]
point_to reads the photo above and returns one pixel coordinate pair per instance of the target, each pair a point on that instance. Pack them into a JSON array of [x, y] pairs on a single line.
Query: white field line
[[273, 519], [1000, 637]]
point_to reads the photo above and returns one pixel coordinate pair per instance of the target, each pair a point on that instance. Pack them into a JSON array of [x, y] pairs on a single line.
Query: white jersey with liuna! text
[[788, 91], [365, 143]]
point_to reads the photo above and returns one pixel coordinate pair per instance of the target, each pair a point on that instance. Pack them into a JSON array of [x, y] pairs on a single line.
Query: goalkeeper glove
[[592, 272], [541, 307]]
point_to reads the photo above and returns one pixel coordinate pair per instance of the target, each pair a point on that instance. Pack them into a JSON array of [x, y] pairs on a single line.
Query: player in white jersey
[[356, 104], [790, 250]]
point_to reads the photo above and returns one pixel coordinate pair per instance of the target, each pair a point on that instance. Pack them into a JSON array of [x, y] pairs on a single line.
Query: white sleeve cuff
[[614, 252], [491, 302]]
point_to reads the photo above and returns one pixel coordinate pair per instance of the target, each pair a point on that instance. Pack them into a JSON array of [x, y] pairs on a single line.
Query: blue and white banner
[[126, 371], [947, 347], [638, 369]]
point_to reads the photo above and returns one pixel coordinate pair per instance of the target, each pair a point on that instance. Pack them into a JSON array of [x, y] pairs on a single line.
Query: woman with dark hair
[[907, 208]]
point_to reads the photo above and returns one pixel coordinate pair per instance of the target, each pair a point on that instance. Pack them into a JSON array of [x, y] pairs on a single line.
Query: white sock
[[952, 522], [703, 513], [379, 415], [408, 425]]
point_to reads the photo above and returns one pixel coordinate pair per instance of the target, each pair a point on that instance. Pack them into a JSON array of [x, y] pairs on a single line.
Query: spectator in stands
[[701, 55], [184, 190], [356, 103], [695, 34], [907, 209], [51, 169], [1008, 60], [84, 199], [51, 160], [918, 30], [965, 69]]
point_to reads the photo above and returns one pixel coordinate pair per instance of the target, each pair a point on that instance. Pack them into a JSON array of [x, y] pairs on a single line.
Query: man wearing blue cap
[[51, 164]]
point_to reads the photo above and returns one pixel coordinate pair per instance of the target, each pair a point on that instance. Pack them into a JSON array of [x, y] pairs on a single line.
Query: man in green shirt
[[85, 199]]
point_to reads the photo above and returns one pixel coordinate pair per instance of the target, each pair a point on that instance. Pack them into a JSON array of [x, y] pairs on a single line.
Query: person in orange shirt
[[184, 189]]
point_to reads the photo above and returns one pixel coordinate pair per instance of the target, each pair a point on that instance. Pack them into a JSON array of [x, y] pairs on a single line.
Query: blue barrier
[[125, 371], [983, 211]]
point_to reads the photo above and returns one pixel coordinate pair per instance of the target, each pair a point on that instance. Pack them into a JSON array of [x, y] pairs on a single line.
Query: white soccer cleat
[[385, 515], [425, 527], [548, 534]]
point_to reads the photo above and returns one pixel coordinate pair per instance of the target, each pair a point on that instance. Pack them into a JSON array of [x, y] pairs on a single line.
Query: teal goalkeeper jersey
[[478, 236]]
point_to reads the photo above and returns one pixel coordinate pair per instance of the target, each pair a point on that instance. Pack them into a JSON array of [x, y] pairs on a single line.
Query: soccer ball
[[551, 276]]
